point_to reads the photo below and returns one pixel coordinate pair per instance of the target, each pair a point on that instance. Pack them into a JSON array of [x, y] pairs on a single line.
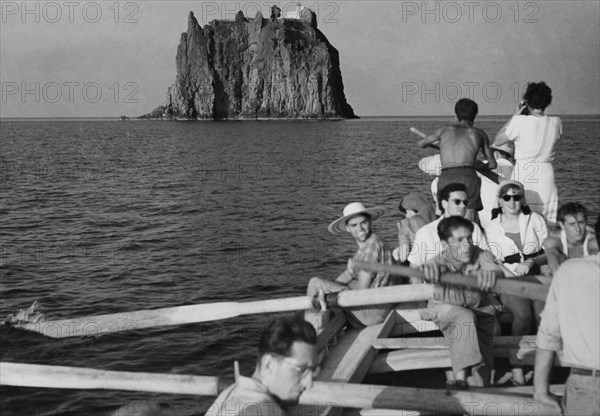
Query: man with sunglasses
[[452, 201], [574, 240], [287, 363]]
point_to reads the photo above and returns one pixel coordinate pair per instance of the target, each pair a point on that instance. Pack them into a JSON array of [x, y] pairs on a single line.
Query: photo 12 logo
[[89, 92], [470, 11], [212, 10], [70, 11], [452, 91]]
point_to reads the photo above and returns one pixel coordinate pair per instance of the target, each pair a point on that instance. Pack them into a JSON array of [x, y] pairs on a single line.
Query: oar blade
[[128, 321]]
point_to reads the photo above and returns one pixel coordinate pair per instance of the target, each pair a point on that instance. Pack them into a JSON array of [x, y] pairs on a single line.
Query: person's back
[[459, 145]]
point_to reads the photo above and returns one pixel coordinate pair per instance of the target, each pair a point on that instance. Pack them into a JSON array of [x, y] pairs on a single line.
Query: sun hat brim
[[339, 226]]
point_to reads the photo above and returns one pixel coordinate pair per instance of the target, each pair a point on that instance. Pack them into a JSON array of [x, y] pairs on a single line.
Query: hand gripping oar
[[480, 167], [179, 315], [358, 396], [514, 287]]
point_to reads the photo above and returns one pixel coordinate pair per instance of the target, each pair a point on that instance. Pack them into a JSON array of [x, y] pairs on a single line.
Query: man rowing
[[357, 221], [287, 362], [463, 315], [459, 145], [574, 240]]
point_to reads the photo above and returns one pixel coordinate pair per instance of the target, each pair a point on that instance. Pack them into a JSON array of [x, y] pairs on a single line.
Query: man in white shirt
[[571, 322], [452, 201]]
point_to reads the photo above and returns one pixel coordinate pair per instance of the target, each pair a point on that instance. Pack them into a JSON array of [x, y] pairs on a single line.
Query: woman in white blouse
[[515, 235], [535, 135]]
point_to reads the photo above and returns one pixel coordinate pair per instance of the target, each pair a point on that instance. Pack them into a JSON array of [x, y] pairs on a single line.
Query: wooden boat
[[351, 357], [392, 347]]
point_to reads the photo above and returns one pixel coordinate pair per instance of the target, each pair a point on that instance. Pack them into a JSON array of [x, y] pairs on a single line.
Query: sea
[[102, 216]]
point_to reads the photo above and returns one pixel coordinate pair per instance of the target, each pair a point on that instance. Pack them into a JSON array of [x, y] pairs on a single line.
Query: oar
[[336, 394], [480, 167], [528, 290], [179, 315]]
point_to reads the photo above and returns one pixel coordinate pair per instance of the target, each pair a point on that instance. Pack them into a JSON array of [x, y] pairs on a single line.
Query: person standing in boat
[[287, 362], [459, 145], [463, 315], [356, 220], [452, 201], [571, 323], [574, 239], [535, 136]]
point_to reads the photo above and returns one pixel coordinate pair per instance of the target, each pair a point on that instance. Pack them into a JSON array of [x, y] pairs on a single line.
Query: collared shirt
[[427, 243], [571, 318], [458, 295], [247, 397], [374, 250]]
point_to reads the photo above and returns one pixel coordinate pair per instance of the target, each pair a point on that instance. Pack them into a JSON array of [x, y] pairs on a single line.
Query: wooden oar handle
[[418, 132], [535, 291]]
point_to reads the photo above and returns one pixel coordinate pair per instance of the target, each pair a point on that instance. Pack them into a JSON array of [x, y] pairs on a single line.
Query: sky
[[398, 58]]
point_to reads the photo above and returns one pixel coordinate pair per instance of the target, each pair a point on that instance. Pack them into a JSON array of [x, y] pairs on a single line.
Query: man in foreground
[[571, 322], [574, 240], [463, 315], [287, 363], [452, 201], [356, 220], [459, 145]]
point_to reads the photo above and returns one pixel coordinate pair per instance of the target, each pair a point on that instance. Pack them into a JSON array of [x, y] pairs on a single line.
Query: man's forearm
[[544, 359]]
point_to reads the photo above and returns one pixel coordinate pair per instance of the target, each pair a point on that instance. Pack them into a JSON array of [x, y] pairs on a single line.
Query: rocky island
[[254, 69]]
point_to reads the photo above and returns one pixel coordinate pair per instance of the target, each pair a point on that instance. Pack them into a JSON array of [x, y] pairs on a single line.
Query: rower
[[463, 315], [574, 239], [459, 145], [356, 220]]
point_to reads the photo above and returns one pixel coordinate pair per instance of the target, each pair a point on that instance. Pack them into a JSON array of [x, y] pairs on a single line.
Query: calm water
[[107, 216]]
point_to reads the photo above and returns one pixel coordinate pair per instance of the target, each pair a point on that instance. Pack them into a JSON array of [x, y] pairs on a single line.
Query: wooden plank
[[504, 342], [412, 359]]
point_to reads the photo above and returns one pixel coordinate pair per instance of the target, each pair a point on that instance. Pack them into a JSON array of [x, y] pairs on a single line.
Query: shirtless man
[[574, 240], [459, 145]]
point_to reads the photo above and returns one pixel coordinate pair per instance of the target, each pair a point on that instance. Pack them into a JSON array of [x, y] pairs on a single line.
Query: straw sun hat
[[351, 210]]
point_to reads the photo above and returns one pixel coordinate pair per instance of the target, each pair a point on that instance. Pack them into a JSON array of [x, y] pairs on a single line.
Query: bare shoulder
[[552, 242]]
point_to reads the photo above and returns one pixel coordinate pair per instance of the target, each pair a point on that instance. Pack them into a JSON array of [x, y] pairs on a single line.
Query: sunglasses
[[507, 198], [465, 202]]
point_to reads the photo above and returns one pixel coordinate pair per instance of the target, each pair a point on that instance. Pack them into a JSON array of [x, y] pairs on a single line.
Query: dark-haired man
[[356, 220], [452, 201], [463, 315], [287, 362], [459, 145], [574, 240], [571, 323]]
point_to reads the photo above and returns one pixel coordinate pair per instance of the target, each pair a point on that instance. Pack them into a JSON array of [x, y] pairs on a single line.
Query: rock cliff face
[[256, 68]]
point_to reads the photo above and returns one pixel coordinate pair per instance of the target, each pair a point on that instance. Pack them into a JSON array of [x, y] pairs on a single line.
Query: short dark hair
[[281, 333], [466, 109], [538, 95], [570, 208], [444, 193], [447, 225]]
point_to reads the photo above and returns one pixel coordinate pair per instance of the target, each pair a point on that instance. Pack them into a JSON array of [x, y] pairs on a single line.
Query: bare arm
[[432, 139], [541, 378], [554, 254]]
